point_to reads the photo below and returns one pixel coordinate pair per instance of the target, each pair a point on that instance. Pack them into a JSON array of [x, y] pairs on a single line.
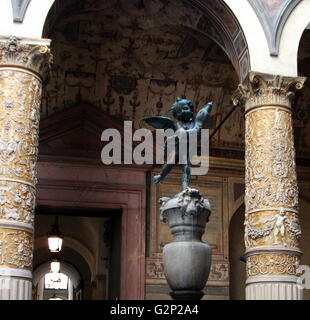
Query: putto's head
[[182, 109]]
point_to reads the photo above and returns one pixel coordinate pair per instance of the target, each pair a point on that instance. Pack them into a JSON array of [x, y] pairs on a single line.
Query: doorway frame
[[85, 185]]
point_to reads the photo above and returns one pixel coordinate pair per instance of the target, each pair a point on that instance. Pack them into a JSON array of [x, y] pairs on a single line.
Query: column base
[[15, 284], [15, 289], [270, 287]]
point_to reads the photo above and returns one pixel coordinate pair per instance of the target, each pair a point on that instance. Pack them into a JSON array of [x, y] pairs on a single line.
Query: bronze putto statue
[[187, 122]]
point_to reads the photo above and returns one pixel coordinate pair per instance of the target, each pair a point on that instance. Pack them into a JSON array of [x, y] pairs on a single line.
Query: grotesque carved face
[[183, 110], [192, 202]]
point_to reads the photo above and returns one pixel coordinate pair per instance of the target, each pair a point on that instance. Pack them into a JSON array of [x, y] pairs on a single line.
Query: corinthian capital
[[260, 89], [33, 55]]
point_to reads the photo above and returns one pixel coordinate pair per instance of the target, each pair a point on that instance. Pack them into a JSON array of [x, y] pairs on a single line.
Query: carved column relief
[[23, 64], [271, 223]]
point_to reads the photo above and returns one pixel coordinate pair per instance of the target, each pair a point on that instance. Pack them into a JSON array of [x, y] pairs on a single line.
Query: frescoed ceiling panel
[[212, 18], [130, 68]]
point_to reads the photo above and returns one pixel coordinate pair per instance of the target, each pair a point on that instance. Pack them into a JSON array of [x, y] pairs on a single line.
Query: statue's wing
[[160, 122]]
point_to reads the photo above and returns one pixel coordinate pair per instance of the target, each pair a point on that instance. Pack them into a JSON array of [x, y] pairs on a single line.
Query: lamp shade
[[55, 237], [54, 243]]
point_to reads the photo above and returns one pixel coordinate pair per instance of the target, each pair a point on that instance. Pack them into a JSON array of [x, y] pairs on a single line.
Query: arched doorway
[[65, 285], [90, 254]]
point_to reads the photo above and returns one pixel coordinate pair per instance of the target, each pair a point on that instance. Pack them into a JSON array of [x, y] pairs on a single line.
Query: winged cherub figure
[[183, 112]]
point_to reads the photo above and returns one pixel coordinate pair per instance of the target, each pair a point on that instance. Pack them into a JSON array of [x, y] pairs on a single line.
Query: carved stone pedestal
[[186, 259]]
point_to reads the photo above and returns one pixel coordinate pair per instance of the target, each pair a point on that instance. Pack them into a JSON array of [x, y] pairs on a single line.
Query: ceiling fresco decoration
[[131, 61], [221, 26], [272, 15], [211, 18]]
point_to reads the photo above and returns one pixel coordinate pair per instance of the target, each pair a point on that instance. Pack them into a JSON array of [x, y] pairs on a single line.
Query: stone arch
[[65, 268], [23, 18], [273, 16], [295, 26], [222, 14], [83, 276], [296, 20], [219, 23]]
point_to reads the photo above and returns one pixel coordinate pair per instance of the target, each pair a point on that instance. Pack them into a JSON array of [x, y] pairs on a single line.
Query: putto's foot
[[157, 178]]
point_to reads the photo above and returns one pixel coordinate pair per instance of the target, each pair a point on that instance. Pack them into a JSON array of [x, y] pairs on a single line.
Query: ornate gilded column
[[271, 223], [23, 64]]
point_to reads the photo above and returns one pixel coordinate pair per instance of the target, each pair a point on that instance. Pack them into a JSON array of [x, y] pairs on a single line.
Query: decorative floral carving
[[270, 175], [17, 202], [270, 178], [265, 89], [155, 270], [270, 228], [15, 249], [189, 200], [19, 125], [36, 57], [281, 264], [219, 272]]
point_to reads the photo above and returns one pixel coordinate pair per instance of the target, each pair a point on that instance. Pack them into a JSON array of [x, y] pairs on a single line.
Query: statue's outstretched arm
[[202, 120]]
